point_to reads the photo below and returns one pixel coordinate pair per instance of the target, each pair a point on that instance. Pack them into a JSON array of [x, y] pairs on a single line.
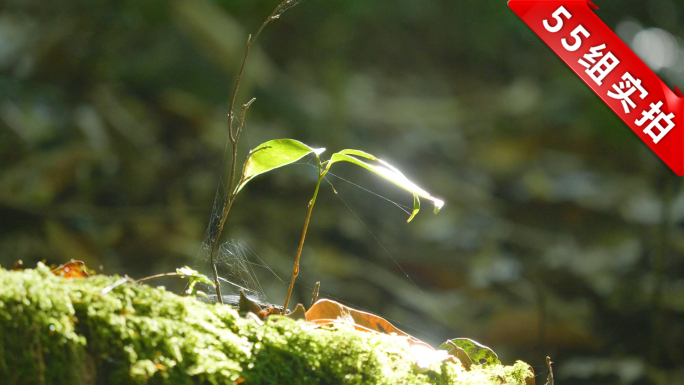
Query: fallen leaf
[[462, 356], [326, 311], [298, 312], [478, 353], [247, 305], [73, 269]]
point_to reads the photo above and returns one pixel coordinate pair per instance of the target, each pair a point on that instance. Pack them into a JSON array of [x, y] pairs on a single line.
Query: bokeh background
[[562, 233]]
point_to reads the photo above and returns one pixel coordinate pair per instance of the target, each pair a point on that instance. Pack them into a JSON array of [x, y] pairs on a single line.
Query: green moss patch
[[59, 331]]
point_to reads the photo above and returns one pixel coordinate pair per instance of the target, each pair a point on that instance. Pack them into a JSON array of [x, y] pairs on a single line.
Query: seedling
[[281, 152]]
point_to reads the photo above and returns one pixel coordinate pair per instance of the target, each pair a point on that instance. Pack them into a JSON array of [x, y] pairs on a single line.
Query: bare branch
[[234, 136]]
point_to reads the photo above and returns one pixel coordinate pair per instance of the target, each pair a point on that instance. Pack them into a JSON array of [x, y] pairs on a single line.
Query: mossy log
[[66, 331]]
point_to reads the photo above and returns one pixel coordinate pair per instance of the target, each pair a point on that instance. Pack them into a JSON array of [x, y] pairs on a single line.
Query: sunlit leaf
[[202, 294], [461, 354], [274, 154], [194, 275], [478, 353], [326, 309], [326, 312], [389, 172], [416, 207]]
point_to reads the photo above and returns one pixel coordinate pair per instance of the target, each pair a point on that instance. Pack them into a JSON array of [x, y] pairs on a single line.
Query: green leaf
[[478, 353], [388, 172], [273, 154], [194, 278], [194, 275], [416, 207]]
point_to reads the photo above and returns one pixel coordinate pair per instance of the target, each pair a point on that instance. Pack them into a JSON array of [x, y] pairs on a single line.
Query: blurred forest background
[[562, 233]]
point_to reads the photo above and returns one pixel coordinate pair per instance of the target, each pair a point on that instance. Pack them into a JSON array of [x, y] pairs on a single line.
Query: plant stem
[[234, 137], [314, 297], [295, 270], [232, 194], [549, 379]]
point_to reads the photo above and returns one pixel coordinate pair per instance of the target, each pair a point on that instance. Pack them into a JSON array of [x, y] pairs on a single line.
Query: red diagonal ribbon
[[574, 32]]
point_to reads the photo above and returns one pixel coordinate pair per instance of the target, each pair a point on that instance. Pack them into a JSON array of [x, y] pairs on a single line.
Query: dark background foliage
[[562, 233]]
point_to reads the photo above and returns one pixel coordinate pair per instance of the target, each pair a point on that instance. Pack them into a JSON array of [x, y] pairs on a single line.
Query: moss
[[58, 331]]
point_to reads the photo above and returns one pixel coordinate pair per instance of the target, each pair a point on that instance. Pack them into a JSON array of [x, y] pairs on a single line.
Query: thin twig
[[226, 210], [158, 276], [121, 281], [295, 269], [314, 297], [231, 194], [234, 137], [250, 42], [549, 379]]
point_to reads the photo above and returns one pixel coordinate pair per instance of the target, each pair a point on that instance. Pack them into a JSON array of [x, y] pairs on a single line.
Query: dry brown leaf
[[298, 312], [325, 312], [73, 269]]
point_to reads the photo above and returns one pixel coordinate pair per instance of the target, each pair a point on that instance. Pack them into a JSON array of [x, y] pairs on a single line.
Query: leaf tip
[[438, 205], [416, 208]]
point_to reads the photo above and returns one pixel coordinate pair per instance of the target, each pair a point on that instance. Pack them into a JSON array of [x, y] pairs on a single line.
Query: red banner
[[574, 32]]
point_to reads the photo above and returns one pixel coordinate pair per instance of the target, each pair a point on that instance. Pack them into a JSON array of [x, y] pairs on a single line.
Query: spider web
[[234, 261]]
